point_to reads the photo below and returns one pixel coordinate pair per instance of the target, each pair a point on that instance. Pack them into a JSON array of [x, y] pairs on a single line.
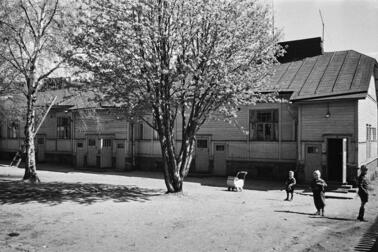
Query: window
[[155, 134], [312, 149], [79, 145], [263, 125], [64, 127], [371, 136], [219, 147], [202, 143], [120, 146], [139, 131], [107, 142], [91, 142], [41, 140], [13, 130]]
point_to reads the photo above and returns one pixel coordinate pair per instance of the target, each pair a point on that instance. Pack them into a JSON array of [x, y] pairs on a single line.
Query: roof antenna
[[273, 16], [321, 17]]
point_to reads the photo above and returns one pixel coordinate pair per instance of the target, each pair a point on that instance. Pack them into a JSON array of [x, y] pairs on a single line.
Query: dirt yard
[[82, 211]]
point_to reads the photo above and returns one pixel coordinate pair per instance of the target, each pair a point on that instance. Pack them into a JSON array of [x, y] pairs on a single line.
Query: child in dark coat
[[290, 185], [317, 186], [363, 185]]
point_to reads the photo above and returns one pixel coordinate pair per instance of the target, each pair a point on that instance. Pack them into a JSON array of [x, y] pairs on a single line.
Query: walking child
[[363, 185], [290, 185], [318, 185]]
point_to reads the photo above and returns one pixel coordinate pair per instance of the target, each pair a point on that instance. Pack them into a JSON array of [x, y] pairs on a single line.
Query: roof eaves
[[295, 97], [335, 98]]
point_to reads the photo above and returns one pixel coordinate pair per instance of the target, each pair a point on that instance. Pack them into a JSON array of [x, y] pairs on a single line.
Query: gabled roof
[[330, 74], [69, 98]]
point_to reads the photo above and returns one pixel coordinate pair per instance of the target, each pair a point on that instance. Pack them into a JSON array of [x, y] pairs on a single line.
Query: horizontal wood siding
[[100, 122], [315, 124], [10, 144], [287, 123], [64, 145], [261, 150], [238, 129], [222, 130], [51, 145], [49, 126], [289, 150], [148, 148], [238, 150], [264, 150]]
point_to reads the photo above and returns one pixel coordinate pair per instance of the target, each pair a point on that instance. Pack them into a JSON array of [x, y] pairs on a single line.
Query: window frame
[[264, 125], [63, 127], [155, 134], [139, 131], [107, 142], [91, 142], [13, 130], [200, 144]]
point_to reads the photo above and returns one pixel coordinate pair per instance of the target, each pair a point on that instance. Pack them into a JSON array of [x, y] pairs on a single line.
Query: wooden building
[[325, 119]]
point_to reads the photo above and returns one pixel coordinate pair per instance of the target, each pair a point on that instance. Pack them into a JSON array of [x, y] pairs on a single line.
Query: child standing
[[363, 185], [290, 185], [317, 186]]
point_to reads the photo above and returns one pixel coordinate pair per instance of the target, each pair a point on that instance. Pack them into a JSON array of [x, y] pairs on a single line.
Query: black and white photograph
[[188, 125]]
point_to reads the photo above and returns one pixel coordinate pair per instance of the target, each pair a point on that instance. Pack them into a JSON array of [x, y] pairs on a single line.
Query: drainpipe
[[299, 134], [73, 138], [132, 147]]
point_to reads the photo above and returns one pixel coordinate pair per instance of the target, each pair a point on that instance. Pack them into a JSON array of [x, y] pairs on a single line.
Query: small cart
[[236, 182]]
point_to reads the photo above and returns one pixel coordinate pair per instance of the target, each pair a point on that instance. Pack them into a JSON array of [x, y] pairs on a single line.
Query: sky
[[349, 24]]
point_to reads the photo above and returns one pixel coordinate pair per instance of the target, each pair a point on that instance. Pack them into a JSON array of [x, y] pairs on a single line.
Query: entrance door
[[106, 152], [41, 147], [202, 154], [121, 150], [335, 159], [80, 153], [220, 154], [313, 160], [92, 152]]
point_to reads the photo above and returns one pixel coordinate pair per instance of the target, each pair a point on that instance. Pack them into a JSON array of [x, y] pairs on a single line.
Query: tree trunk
[[176, 169], [30, 166]]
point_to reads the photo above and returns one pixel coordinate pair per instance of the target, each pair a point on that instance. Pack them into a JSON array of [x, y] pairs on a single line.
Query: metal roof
[[329, 74]]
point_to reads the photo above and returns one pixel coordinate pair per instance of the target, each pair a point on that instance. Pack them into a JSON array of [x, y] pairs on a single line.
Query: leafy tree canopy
[[177, 57]]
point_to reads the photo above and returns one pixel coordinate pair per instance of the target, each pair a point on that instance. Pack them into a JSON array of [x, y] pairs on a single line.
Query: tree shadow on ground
[[313, 215], [53, 193], [203, 179]]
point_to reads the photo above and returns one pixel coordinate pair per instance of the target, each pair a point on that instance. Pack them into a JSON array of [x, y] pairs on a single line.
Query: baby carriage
[[236, 182]]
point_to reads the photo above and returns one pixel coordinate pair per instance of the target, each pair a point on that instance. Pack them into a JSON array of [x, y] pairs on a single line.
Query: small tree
[[177, 60], [30, 40]]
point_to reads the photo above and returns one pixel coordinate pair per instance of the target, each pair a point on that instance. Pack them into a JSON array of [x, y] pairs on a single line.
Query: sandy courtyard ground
[[82, 211]]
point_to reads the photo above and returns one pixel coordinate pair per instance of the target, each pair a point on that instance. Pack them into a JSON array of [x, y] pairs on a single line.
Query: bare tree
[[31, 38], [177, 60]]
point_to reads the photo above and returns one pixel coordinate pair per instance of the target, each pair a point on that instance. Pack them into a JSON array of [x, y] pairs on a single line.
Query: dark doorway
[[335, 159]]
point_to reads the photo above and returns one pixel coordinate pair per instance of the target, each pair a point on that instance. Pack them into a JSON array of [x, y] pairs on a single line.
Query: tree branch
[[28, 19]]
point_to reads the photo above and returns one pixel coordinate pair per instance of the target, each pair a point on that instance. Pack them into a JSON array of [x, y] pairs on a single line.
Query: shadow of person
[[293, 212], [313, 215]]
